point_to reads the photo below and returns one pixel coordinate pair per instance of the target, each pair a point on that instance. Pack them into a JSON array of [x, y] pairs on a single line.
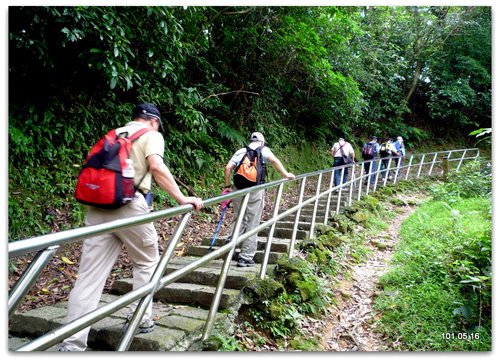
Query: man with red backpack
[[99, 253], [245, 164]]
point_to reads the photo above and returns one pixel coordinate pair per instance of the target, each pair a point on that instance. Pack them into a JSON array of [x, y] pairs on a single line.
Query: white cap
[[400, 138], [257, 136]]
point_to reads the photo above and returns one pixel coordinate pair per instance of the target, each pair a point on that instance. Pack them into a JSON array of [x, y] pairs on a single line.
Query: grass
[[427, 301]]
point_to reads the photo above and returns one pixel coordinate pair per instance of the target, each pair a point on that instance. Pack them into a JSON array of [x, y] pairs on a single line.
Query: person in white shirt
[[256, 201], [339, 150]]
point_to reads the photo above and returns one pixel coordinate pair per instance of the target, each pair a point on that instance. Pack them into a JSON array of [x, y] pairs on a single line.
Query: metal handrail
[[46, 245]]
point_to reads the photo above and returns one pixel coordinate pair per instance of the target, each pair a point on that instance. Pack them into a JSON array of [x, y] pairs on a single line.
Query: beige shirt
[[148, 144]]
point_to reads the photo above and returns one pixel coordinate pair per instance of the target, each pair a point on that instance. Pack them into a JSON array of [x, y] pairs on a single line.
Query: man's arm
[[227, 174], [164, 178], [280, 168]]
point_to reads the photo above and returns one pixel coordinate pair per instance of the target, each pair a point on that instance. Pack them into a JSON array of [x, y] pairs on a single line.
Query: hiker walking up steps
[[369, 153], [343, 154], [387, 150], [249, 166], [99, 253]]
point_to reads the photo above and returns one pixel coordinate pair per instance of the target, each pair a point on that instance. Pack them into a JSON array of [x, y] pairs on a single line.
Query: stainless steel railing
[[46, 246]]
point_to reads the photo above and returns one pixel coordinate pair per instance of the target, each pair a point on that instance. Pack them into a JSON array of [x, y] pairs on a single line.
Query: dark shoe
[[244, 262]]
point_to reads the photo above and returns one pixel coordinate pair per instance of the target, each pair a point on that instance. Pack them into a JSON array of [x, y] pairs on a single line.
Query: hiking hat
[[257, 136], [400, 139], [150, 110]]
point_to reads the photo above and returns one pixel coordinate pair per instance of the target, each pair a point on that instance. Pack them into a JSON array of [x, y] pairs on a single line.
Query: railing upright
[[315, 208], [327, 208], [432, 164], [225, 269], [136, 319], [421, 164], [297, 217], [387, 171], [461, 160], [352, 183], [361, 173], [379, 166], [29, 277], [409, 166], [340, 187], [271, 233]]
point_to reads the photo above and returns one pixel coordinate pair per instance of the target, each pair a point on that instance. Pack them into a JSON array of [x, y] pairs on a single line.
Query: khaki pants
[[99, 254], [250, 221]]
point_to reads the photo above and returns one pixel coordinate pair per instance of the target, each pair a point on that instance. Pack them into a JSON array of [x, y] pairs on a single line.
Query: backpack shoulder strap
[[138, 134]]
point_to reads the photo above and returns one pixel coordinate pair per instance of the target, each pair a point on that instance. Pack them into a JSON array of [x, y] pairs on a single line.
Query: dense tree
[[302, 75]]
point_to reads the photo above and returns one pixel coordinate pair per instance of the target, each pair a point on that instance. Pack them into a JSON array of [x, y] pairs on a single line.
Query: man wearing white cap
[[256, 201]]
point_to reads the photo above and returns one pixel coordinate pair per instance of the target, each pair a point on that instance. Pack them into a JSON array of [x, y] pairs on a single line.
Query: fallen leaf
[[66, 260]]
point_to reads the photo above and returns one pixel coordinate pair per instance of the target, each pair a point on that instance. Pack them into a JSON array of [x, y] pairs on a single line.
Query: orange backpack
[[251, 170]]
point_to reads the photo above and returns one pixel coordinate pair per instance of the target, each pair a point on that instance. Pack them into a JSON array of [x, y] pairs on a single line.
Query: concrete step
[[209, 274], [258, 258], [285, 233], [278, 245], [184, 293], [177, 328]]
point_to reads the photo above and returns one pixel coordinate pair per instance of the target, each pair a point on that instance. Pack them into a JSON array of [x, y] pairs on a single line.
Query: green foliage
[[441, 278], [473, 180]]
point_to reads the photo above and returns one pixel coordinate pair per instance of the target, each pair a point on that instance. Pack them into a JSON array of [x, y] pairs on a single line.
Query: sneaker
[[64, 349], [145, 327], [244, 262]]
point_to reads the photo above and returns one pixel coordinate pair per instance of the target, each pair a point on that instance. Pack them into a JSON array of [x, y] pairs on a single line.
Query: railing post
[[369, 176], [315, 208], [28, 278], [327, 209], [409, 166], [271, 233], [361, 174], [421, 164], [351, 183], [297, 217], [461, 160], [129, 334], [387, 170], [432, 164], [379, 166], [396, 172], [225, 268], [340, 190]]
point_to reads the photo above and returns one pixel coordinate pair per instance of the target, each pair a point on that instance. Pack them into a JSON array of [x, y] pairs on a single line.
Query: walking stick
[[218, 228]]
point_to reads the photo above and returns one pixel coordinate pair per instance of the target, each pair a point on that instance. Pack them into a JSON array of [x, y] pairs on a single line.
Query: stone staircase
[[181, 308]]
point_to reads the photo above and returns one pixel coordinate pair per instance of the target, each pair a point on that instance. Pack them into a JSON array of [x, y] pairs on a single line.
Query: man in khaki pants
[[255, 205], [99, 253]]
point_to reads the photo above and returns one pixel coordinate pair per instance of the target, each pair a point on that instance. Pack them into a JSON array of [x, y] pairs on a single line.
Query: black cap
[[374, 138], [150, 110]]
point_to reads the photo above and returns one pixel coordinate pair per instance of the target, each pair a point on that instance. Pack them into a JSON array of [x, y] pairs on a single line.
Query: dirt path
[[351, 326]]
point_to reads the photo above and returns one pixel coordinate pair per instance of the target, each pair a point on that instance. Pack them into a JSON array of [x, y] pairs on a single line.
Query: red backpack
[[101, 182]]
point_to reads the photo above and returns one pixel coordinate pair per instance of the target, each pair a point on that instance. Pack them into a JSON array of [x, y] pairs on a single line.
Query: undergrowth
[[437, 295]]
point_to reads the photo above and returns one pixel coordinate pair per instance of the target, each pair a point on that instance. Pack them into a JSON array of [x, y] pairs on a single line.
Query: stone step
[[177, 328], [278, 245], [285, 233], [185, 293], [258, 258], [209, 274]]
